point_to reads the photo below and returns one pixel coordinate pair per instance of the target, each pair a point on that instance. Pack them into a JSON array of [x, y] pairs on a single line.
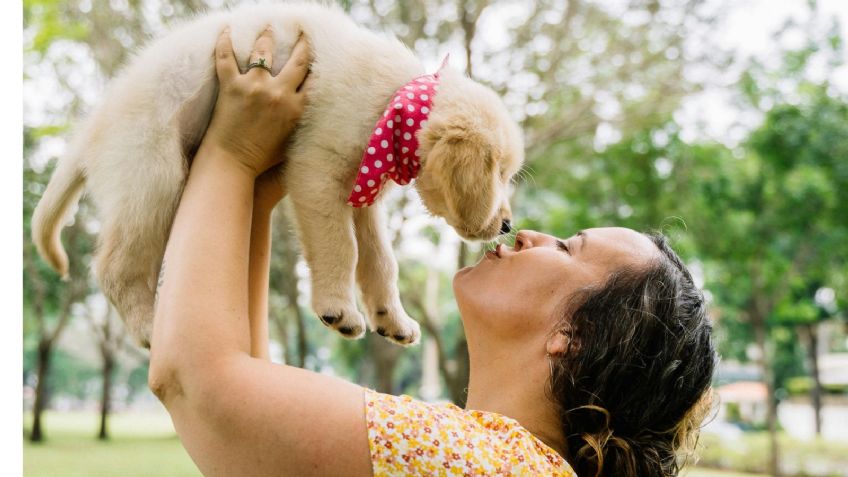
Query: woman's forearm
[[201, 329], [202, 313], [260, 262]]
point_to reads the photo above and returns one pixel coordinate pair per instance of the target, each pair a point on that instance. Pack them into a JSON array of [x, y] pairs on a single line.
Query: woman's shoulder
[[409, 436]]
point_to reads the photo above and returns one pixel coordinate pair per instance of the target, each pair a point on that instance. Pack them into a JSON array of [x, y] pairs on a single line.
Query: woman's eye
[[562, 246]]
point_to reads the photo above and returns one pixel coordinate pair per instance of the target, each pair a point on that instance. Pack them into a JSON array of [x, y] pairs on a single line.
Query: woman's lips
[[496, 253]]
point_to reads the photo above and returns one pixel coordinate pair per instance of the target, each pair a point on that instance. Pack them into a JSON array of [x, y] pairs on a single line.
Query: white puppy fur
[[132, 154]]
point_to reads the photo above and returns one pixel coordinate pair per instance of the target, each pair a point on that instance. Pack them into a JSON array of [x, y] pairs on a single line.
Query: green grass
[[142, 445], [750, 453]]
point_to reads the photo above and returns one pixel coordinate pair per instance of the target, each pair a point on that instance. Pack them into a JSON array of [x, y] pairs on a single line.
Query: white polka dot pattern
[[393, 138]]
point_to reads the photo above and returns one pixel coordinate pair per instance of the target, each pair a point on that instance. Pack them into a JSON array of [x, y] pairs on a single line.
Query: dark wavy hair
[[634, 384]]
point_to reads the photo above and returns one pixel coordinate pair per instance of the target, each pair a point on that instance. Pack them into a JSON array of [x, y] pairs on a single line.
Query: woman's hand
[[255, 112]]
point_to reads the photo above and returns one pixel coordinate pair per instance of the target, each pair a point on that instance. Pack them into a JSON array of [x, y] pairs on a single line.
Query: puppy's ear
[[462, 159]]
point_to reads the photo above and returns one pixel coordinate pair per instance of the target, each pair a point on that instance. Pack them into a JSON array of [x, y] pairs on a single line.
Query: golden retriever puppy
[[132, 154]]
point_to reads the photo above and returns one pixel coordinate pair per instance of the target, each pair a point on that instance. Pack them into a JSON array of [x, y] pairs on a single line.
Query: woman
[[590, 354]]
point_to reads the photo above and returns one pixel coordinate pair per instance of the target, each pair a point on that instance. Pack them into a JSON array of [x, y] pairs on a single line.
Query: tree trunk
[[385, 357], [292, 356], [458, 387], [301, 336], [810, 332], [454, 369], [45, 352], [279, 320], [300, 326], [759, 324], [41, 392], [106, 395], [284, 278]]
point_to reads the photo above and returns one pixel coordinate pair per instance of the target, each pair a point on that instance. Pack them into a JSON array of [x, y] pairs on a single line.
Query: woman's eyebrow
[[582, 236]]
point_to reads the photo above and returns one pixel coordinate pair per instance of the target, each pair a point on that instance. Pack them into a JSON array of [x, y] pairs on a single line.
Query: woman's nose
[[523, 240]]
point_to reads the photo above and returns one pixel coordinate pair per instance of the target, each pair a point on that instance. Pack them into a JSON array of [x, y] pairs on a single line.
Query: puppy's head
[[470, 149]]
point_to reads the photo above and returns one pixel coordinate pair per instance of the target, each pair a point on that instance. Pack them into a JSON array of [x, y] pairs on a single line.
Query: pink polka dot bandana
[[392, 152]]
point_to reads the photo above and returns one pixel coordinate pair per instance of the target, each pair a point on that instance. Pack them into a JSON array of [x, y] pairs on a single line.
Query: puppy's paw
[[395, 325], [341, 316]]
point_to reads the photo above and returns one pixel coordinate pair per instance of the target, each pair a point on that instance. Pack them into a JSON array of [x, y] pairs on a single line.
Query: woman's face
[[513, 293]]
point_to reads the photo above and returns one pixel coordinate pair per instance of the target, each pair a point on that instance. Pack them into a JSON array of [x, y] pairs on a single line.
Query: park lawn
[[750, 452], [142, 445]]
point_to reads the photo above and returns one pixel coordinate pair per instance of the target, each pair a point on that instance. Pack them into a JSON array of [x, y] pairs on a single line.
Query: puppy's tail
[[62, 193]]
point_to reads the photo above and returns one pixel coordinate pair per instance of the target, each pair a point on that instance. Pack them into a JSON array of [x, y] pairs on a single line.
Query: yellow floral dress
[[411, 437]]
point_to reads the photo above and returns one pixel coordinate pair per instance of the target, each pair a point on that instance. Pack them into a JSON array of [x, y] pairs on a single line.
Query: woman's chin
[[469, 268], [464, 277], [460, 281], [461, 273]]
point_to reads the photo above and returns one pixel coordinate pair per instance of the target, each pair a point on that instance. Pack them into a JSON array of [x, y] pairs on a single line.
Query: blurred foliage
[[73, 376], [802, 385], [53, 24]]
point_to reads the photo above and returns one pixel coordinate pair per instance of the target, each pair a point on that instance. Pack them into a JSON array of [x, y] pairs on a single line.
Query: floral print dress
[[411, 437]]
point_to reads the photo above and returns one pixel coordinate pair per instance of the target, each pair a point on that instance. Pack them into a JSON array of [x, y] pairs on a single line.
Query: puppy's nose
[[505, 228]]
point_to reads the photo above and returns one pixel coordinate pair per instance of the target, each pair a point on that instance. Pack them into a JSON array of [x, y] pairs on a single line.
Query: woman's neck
[[512, 383]]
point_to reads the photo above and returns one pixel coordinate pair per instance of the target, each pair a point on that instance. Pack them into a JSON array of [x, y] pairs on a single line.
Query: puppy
[[132, 154]]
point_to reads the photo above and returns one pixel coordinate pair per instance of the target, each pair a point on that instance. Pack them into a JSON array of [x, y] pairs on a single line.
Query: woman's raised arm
[[236, 414]]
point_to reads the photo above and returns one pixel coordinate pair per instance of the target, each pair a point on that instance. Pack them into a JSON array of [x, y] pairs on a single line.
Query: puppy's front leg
[[325, 229], [377, 275]]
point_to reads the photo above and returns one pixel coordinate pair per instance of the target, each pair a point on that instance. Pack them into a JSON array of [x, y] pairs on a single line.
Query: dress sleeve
[[411, 437], [405, 436]]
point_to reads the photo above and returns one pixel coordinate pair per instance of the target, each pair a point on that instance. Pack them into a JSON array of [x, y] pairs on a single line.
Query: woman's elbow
[[163, 374], [185, 366], [162, 379], [175, 372]]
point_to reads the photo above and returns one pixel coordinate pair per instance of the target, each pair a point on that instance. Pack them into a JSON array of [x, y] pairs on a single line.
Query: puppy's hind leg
[[377, 275], [124, 266], [136, 223]]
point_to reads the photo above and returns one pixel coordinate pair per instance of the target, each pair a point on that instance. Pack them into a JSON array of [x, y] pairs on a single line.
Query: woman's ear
[[558, 343]]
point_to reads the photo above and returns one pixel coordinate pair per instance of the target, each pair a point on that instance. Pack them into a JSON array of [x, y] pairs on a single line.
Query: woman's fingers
[[296, 69], [263, 49], [225, 60]]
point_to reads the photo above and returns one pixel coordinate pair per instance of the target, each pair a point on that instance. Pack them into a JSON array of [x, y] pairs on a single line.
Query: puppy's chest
[[331, 144], [322, 161]]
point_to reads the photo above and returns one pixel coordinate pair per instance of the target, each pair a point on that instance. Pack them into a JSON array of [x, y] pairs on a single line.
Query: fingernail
[[226, 30]]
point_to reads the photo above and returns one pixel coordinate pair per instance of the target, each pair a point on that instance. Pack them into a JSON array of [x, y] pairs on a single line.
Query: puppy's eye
[[563, 246]]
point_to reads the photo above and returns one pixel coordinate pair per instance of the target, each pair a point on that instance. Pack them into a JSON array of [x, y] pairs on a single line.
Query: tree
[[803, 310], [110, 336], [283, 284], [773, 219], [806, 145], [47, 300]]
